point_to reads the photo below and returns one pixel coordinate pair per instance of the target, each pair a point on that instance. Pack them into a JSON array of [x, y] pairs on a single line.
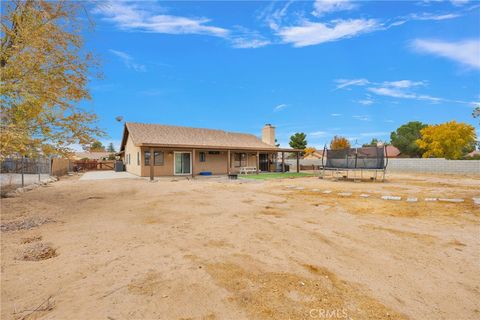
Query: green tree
[[476, 112], [372, 143], [97, 146], [339, 143], [406, 136], [298, 141], [450, 140], [44, 74], [111, 148]]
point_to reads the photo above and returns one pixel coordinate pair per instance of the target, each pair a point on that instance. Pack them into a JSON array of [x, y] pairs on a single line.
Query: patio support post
[[193, 162], [258, 160], [152, 159], [283, 162], [298, 162], [228, 161]]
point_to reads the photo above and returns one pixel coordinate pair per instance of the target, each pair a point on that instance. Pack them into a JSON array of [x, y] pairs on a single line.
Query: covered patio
[[191, 162]]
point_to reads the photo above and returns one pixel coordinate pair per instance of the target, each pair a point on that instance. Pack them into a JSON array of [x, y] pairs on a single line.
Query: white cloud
[[245, 43], [374, 134], [280, 107], [128, 61], [404, 83], [335, 114], [318, 134], [365, 102], [129, 16], [322, 7], [311, 33], [466, 52], [434, 17], [403, 89], [243, 38], [400, 93], [344, 83], [390, 92], [362, 117], [274, 17]]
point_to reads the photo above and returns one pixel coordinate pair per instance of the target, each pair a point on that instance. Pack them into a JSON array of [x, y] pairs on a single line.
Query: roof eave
[[273, 149]]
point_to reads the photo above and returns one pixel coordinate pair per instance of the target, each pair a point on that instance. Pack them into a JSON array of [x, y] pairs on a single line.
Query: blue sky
[[356, 69]]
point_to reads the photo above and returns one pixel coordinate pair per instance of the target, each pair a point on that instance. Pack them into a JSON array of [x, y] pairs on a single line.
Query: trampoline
[[355, 160]]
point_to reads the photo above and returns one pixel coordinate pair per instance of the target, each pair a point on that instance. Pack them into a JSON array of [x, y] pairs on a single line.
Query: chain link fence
[[21, 171]]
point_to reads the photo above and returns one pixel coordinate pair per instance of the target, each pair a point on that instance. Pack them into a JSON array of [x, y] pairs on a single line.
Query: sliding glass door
[[183, 163]]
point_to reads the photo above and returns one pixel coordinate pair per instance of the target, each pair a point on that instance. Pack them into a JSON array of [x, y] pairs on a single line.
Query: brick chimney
[[268, 134]]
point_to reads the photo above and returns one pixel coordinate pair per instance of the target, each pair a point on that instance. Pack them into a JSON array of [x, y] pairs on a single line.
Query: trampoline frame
[[338, 171]]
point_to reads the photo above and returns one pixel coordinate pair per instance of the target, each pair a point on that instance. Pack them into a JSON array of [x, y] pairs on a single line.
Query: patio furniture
[[247, 170], [232, 176]]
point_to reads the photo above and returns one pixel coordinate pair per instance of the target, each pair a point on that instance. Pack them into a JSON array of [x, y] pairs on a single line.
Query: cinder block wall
[[434, 165]]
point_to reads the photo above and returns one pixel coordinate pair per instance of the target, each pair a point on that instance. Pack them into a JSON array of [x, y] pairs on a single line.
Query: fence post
[[38, 169], [23, 164]]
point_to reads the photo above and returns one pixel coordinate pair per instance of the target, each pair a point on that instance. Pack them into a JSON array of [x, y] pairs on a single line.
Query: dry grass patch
[[375, 205], [218, 244], [24, 224], [425, 238], [148, 285], [279, 295], [38, 251], [30, 239]]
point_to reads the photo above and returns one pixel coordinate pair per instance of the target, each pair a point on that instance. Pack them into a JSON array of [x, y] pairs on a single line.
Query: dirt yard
[[214, 249]]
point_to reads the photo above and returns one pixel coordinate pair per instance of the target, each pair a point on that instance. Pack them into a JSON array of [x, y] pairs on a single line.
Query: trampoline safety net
[[356, 158]]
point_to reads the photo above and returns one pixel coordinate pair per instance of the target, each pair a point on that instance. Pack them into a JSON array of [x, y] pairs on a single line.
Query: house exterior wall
[[131, 152], [215, 163]]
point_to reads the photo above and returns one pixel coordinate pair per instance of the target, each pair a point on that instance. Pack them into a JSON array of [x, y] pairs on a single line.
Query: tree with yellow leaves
[[450, 140], [309, 151], [44, 74], [339, 143]]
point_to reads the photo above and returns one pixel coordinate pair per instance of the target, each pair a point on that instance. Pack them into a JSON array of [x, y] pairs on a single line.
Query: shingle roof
[[392, 152], [143, 134]]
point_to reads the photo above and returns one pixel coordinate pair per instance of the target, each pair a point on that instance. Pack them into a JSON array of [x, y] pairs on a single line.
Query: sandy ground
[[213, 249]]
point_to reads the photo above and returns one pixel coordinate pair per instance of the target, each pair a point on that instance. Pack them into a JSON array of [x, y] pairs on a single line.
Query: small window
[[213, 152], [158, 158], [138, 158], [240, 159], [146, 155], [203, 157]]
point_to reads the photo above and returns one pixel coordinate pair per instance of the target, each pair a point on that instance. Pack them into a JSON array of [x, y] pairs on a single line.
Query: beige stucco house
[[161, 150]]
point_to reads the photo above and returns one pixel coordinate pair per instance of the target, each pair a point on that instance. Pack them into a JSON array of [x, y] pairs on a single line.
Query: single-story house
[[317, 154], [162, 150], [474, 153], [392, 152]]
